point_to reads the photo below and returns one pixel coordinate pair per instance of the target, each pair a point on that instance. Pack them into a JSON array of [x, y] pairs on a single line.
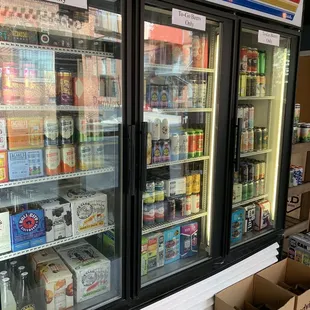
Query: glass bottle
[[24, 300], [7, 298], [20, 270], [3, 274], [12, 275]]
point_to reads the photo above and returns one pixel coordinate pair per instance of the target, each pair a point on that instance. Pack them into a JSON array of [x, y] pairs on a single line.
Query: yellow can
[[196, 183], [189, 185]]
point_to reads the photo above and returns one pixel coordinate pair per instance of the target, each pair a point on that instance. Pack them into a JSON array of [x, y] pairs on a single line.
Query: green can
[[262, 62], [250, 194], [265, 138], [245, 191]]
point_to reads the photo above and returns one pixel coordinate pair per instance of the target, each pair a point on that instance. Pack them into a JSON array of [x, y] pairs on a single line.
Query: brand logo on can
[[28, 222]]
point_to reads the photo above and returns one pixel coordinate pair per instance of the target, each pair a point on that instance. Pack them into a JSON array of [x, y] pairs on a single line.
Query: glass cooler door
[[60, 145], [262, 94], [180, 110]]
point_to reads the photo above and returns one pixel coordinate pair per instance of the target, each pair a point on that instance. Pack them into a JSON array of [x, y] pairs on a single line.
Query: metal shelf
[[300, 148], [175, 69], [298, 190], [180, 110], [55, 49], [54, 243], [245, 202], [256, 98], [177, 162], [155, 227], [56, 177], [255, 153], [64, 108]]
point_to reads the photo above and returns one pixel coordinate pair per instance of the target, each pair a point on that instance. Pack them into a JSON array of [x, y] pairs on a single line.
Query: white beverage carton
[[38, 259], [91, 271], [57, 283], [175, 187], [89, 209], [58, 218], [5, 237]]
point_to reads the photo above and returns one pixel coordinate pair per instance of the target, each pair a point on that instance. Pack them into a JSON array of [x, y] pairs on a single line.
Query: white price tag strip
[[269, 38], [76, 3], [188, 19]]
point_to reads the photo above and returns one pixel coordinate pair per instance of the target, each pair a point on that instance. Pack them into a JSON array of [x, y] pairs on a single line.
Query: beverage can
[[148, 197], [297, 113], [191, 144], [261, 187], [262, 62], [67, 158], [164, 96], [150, 187], [244, 173], [98, 155], [244, 191], [159, 212], [156, 125], [171, 208], [250, 172], [166, 151], [256, 170], [149, 214], [195, 93], [188, 209], [149, 149], [244, 141], [257, 90], [244, 59], [85, 156], [51, 131], [254, 68], [250, 140], [305, 132], [175, 147], [202, 94], [243, 85], [183, 142], [199, 143], [164, 129], [195, 203], [159, 195], [81, 129], [52, 160], [256, 191], [253, 84], [189, 184], [249, 57], [262, 169], [294, 137], [154, 96], [250, 194], [159, 185], [66, 129], [156, 152], [251, 116], [240, 112], [262, 85], [291, 177], [245, 117], [180, 206], [64, 88], [265, 138], [196, 183], [258, 139], [248, 84]]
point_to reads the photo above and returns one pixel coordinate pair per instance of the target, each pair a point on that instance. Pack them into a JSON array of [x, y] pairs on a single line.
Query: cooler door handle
[[238, 144], [143, 161]]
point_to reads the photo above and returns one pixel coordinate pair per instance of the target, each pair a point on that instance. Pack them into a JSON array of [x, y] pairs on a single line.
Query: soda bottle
[[24, 300], [7, 299]]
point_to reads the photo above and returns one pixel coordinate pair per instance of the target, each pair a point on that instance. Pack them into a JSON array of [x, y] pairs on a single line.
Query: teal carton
[[172, 244]]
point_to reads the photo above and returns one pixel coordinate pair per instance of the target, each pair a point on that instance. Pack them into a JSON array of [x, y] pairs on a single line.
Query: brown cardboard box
[[290, 272], [254, 290]]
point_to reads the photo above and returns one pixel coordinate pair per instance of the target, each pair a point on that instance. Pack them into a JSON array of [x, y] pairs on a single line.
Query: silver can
[[183, 142], [245, 117], [175, 147], [261, 187], [262, 170]]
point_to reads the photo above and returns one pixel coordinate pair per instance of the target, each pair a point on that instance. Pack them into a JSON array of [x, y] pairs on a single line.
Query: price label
[[75, 3], [188, 19], [269, 38]]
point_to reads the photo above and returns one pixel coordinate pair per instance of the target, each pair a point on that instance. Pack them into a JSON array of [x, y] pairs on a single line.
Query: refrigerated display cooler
[[139, 153]]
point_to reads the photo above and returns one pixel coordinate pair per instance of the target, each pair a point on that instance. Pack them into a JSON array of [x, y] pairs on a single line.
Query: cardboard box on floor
[[254, 290], [290, 272]]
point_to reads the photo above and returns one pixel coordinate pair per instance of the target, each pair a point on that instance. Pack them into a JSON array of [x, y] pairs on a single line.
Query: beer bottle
[[24, 300], [7, 298], [20, 270], [12, 275]]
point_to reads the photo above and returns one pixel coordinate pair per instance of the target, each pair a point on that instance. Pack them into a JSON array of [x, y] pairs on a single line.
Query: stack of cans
[[296, 175]]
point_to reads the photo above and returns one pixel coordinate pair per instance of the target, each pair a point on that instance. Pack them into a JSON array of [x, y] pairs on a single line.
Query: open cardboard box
[[254, 290], [292, 273]]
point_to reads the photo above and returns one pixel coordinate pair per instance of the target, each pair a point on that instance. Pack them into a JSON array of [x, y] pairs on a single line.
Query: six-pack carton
[[172, 244], [91, 271], [5, 238], [299, 248], [155, 250], [189, 240], [89, 209]]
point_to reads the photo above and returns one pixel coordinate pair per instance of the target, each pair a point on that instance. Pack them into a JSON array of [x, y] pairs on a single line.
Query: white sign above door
[[188, 19]]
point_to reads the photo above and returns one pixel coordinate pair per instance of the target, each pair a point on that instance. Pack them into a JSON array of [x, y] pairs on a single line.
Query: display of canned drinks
[[296, 175], [246, 112]]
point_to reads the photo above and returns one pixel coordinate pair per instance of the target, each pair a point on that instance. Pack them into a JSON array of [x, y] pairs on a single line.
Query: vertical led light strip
[[211, 164], [280, 122]]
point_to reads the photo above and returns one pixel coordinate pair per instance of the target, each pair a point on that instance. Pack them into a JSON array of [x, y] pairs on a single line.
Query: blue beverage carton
[[172, 244], [27, 229], [25, 164], [189, 240], [237, 224]]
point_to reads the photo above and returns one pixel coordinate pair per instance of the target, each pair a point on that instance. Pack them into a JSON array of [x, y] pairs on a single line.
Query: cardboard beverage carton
[[262, 215], [39, 258], [255, 291], [27, 229], [58, 219], [4, 167], [250, 212], [172, 244], [5, 238], [89, 209], [25, 164], [144, 256], [91, 271], [293, 276], [237, 192], [189, 240], [299, 248], [57, 282], [175, 187], [155, 250], [237, 224]]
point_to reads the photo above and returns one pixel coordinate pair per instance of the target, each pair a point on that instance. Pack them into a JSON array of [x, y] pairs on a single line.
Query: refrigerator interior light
[[212, 144], [278, 137]]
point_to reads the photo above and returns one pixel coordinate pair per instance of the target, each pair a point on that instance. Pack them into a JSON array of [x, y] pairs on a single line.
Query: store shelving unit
[[162, 69], [177, 162], [249, 154], [253, 98], [245, 202], [180, 110]]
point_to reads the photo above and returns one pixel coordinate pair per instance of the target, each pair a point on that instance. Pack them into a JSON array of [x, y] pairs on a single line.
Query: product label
[[29, 307], [28, 222]]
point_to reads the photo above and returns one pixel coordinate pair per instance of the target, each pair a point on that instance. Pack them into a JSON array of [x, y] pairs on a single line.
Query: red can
[[67, 162], [244, 59], [192, 143], [52, 160]]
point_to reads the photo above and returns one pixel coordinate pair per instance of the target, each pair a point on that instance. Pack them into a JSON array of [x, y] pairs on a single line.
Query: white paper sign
[[269, 38], [188, 19], [76, 3]]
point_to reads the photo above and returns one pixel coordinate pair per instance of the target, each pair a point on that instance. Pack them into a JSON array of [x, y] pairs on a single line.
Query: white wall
[[201, 295]]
